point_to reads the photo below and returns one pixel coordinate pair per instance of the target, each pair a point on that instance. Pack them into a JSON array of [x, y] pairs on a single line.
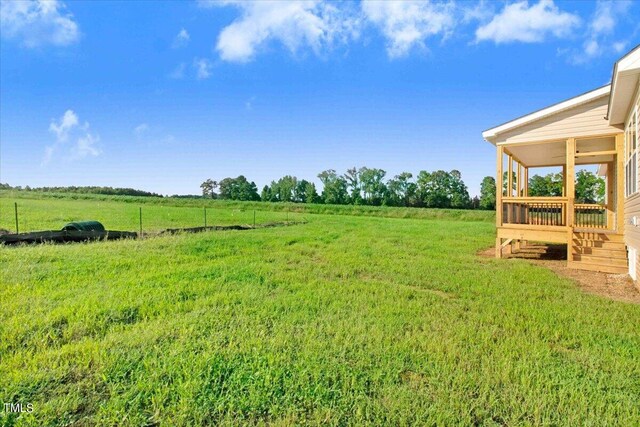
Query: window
[[631, 149]]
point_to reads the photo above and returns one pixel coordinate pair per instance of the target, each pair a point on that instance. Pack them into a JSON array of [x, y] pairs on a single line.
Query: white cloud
[[482, 11], [407, 24], [178, 72], [68, 121], [295, 24], [203, 68], [600, 31], [519, 22], [619, 47], [140, 129], [604, 19], [181, 39], [69, 125], [85, 146], [38, 22]]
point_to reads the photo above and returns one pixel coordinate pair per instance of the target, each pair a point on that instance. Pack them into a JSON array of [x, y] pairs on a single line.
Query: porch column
[[510, 177], [499, 181], [611, 188], [619, 196], [570, 182]]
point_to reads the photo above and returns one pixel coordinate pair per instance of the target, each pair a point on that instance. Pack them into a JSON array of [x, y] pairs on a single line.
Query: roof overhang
[[554, 153], [624, 82], [490, 134]]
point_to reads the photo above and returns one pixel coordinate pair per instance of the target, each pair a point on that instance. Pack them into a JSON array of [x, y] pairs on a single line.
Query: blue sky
[[162, 95]]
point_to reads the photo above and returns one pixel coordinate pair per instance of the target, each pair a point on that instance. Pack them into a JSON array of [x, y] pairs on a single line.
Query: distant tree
[[505, 183], [282, 190], [305, 192], [401, 191], [549, 185], [238, 189], [208, 188], [433, 189], [475, 202], [442, 189], [352, 177], [373, 186], [310, 193], [589, 188], [488, 193], [334, 189], [459, 193], [265, 195]]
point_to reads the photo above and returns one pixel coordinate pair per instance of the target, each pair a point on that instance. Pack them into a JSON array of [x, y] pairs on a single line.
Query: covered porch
[[521, 217]]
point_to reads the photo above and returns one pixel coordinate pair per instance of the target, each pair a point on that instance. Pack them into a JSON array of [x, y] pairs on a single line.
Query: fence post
[[140, 221], [254, 218], [205, 217], [15, 205]]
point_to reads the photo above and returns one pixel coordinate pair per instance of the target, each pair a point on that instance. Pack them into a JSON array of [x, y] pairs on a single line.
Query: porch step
[[598, 260], [603, 251], [598, 267], [579, 243], [599, 236], [614, 252]]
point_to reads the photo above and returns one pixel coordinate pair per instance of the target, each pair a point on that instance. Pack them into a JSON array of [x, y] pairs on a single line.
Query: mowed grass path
[[341, 321]]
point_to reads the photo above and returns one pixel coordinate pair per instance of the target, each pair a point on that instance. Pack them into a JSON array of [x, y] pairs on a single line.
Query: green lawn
[[345, 320]]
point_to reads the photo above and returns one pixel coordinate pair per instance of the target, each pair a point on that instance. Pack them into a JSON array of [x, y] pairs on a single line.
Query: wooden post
[[254, 218], [510, 177], [611, 191], [519, 180], [526, 182], [205, 217], [516, 242], [499, 181], [15, 205], [570, 181], [619, 196]]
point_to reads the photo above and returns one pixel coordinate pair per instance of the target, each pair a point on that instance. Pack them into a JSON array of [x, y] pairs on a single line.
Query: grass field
[[345, 320], [51, 210]]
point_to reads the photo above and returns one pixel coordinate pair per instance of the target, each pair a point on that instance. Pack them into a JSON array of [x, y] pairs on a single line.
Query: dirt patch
[[618, 287]]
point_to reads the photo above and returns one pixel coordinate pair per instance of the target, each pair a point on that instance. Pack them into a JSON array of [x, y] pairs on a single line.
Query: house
[[599, 128]]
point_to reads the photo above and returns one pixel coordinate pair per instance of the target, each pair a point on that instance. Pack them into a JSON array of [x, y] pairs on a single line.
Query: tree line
[[357, 186], [589, 188], [368, 186], [85, 190]]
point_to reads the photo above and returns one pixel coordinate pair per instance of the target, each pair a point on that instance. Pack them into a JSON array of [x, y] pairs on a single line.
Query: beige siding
[[583, 120], [632, 203], [631, 232]]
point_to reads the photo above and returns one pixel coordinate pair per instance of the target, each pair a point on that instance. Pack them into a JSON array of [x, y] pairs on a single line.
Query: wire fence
[[33, 216]]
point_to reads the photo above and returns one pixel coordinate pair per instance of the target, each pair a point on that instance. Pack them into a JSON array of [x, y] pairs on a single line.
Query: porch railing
[[545, 211], [590, 216]]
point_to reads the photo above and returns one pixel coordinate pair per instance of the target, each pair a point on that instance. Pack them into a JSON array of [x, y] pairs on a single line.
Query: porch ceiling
[[555, 153]]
